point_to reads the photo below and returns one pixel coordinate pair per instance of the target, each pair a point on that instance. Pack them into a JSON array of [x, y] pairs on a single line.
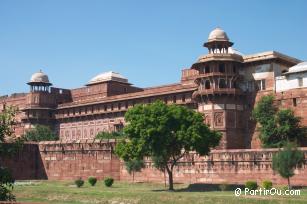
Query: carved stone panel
[[219, 119], [207, 119]]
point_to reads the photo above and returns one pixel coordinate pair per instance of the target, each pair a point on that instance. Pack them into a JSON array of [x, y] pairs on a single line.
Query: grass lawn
[[124, 193]]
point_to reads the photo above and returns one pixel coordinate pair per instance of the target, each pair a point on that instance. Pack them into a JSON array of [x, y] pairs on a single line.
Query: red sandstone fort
[[224, 85]]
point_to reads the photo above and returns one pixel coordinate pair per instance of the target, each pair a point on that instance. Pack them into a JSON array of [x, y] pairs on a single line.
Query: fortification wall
[[68, 161], [26, 164], [81, 159], [230, 166]]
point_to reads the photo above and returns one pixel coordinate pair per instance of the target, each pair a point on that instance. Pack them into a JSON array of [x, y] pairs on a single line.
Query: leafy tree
[[109, 135], [166, 134], [7, 121], [40, 133], [134, 165], [289, 126], [285, 161], [276, 126]]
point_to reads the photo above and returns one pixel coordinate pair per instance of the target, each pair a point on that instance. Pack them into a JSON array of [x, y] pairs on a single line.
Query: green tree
[[276, 126], [285, 161], [165, 132], [134, 165], [7, 121], [109, 135], [40, 133]]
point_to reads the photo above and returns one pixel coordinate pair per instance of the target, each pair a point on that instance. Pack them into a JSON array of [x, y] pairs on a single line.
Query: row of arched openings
[[221, 84]]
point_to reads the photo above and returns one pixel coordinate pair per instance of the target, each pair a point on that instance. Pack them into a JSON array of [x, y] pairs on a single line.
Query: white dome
[[39, 77], [300, 67], [108, 76], [218, 35]]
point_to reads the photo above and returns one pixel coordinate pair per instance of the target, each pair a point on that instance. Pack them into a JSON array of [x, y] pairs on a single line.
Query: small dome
[[39, 77], [218, 35], [300, 67], [108, 76]]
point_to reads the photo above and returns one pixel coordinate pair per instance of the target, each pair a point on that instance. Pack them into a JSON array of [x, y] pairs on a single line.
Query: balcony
[[219, 91], [217, 75]]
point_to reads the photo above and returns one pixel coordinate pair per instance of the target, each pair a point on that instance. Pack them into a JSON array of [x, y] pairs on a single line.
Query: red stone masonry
[[69, 161]]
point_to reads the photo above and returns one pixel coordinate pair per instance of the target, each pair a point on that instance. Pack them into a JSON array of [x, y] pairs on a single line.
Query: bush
[[79, 182], [224, 186], [251, 185], [92, 180], [267, 184], [108, 181]]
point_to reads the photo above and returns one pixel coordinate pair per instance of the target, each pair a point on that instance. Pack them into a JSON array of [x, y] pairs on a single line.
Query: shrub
[[267, 184], [108, 181], [224, 186], [251, 185], [92, 180], [79, 182]]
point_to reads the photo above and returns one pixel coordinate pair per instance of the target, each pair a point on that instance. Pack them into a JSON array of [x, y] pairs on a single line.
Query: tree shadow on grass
[[202, 187]]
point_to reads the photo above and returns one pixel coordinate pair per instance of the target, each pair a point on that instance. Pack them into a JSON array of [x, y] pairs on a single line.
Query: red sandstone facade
[[223, 85], [72, 160]]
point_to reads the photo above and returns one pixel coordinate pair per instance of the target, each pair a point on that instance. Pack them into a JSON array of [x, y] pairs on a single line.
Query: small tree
[[134, 165], [285, 161], [276, 126], [7, 121], [165, 132], [40, 133]]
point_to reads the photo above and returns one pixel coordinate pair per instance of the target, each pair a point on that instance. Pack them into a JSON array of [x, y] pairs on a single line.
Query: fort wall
[[68, 161]]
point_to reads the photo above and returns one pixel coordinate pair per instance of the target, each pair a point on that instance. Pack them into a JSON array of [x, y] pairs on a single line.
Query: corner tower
[[218, 95], [40, 102]]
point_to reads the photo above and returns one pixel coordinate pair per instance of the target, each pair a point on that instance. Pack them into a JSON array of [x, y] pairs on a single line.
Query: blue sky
[[149, 42]]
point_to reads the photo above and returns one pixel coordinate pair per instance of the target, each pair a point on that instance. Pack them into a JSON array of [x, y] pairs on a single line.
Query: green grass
[[65, 192]]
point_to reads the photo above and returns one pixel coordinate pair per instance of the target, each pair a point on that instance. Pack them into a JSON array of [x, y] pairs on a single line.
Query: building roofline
[[269, 55]]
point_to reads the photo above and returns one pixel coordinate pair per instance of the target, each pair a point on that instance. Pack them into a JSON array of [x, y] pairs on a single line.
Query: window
[[234, 84], [105, 108], [183, 98], [222, 68], [234, 69], [207, 69], [222, 84], [300, 82], [207, 84], [260, 84], [118, 106], [294, 102], [174, 99], [126, 104]]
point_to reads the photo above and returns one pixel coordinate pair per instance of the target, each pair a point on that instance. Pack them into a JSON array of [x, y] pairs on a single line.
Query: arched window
[[234, 85], [207, 84], [222, 83], [85, 134], [234, 69], [207, 69], [222, 67]]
